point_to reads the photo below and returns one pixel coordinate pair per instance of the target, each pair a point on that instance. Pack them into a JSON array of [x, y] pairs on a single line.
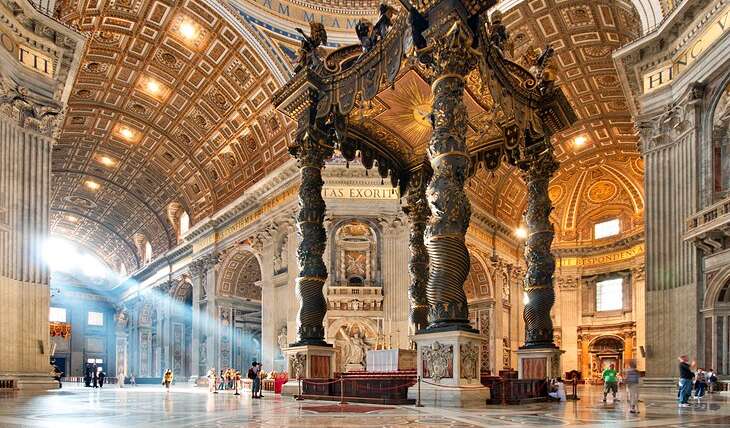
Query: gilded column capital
[[452, 54]]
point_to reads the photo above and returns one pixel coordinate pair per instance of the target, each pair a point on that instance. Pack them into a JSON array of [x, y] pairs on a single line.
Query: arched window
[[147, 252], [184, 223], [122, 269]]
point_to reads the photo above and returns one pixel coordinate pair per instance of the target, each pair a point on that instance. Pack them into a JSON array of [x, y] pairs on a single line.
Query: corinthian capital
[[452, 53]]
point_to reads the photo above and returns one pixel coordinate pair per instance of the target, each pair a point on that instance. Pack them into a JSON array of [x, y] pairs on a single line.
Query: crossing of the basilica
[[415, 212]]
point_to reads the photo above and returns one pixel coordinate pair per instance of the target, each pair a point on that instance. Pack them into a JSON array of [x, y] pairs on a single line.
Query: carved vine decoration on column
[[418, 213], [538, 285], [452, 57]]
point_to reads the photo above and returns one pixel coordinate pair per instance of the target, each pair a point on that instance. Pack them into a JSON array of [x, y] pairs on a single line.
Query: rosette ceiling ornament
[[484, 109]]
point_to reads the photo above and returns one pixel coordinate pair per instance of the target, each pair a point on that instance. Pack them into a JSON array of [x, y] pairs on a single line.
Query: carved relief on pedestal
[[438, 361], [298, 365], [469, 356]]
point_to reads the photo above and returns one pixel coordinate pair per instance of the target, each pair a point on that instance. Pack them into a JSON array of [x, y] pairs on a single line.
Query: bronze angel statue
[[308, 55], [370, 34]]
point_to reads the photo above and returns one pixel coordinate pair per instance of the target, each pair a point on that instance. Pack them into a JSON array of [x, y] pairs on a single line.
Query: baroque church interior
[[452, 204]]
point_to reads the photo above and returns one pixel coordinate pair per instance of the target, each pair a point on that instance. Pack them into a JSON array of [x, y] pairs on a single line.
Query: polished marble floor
[[75, 406]]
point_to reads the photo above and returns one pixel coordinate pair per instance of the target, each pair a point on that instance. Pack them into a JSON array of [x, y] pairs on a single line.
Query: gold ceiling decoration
[[172, 104], [205, 129]]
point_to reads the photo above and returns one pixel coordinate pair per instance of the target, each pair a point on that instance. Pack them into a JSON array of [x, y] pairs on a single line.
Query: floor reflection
[[194, 407]]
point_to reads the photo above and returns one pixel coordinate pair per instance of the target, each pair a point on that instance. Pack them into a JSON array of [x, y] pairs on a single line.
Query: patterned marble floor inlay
[[185, 406]]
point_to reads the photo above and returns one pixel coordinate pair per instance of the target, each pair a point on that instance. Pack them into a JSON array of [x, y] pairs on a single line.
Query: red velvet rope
[[453, 387]]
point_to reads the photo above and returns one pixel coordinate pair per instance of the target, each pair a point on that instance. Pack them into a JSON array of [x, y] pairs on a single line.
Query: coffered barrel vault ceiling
[[602, 177], [173, 104]]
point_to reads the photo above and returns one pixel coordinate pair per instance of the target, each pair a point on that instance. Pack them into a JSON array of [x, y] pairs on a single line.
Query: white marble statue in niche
[[354, 348]]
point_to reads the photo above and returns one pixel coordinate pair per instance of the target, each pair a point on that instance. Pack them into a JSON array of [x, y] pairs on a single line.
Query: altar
[[390, 360]]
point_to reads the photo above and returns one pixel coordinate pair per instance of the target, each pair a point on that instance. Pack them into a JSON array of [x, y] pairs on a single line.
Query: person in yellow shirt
[[167, 379]]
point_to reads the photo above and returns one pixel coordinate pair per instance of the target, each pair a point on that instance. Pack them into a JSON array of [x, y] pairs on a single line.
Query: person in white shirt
[[559, 390]]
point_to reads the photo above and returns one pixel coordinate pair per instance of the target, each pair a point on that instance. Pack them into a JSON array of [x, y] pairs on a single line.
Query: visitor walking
[[212, 381], [102, 376], [610, 382], [87, 376], [167, 379], [237, 381], [132, 380], [685, 380], [222, 380], [95, 375], [631, 378], [711, 380], [700, 384], [253, 374], [260, 376]]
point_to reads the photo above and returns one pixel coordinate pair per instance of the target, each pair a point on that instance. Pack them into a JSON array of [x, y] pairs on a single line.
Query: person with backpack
[[711, 380], [631, 378], [253, 374]]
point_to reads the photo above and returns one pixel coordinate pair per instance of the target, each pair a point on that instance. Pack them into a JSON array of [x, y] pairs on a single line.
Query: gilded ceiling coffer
[[538, 286], [418, 213], [452, 57]]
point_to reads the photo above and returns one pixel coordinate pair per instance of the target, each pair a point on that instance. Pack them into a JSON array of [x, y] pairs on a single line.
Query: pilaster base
[[448, 364], [34, 382], [539, 363], [307, 362]]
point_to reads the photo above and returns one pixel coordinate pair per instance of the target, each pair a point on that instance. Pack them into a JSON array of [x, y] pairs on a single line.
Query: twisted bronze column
[[311, 153], [452, 57], [418, 213], [538, 286]]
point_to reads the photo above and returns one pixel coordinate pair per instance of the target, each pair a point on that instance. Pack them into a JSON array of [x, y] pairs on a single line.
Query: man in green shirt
[[610, 382]]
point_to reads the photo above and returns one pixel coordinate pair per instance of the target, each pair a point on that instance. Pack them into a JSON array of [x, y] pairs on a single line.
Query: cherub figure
[[308, 55], [498, 34]]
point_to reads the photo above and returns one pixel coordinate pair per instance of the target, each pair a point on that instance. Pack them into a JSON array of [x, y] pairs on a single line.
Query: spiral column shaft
[[452, 58], [538, 285], [311, 154], [418, 213]]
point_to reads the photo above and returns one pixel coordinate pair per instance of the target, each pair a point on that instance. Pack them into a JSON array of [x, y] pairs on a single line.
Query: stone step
[[659, 382]]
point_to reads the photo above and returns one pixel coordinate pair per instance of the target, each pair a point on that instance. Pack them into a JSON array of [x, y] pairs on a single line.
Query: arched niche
[[240, 276], [355, 254], [721, 145]]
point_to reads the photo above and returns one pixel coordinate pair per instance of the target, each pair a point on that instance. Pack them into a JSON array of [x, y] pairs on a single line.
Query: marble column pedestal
[[307, 362], [448, 364], [539, 363]]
